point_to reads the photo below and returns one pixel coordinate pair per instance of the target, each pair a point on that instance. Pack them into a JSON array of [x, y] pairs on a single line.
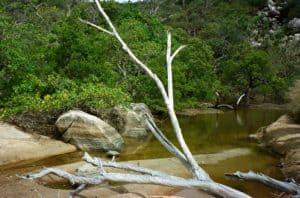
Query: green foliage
[[49, 60], [85, 96], [258, 3], [252, 70]]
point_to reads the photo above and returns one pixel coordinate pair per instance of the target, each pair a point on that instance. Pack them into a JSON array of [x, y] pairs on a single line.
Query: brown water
[[206, 133], [209, 133]]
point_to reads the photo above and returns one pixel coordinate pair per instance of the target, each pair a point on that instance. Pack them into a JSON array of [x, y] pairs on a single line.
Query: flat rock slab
[[17, 146]]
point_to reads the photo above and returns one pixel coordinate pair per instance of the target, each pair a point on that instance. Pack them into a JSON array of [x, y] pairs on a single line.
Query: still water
[[210, 133]]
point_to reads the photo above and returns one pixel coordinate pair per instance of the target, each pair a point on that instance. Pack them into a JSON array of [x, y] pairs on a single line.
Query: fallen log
[[290, 186]]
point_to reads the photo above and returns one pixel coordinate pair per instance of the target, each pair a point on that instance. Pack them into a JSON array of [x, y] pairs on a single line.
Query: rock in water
[[88, 132], [130, 121]]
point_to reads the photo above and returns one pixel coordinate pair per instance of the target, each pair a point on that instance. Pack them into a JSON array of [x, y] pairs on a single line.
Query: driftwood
[[144, 176], [290, 187], [239, 100], [228, 105]]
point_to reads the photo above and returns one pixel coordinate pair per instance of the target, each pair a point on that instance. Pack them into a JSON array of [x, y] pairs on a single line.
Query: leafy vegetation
[[51, 61]]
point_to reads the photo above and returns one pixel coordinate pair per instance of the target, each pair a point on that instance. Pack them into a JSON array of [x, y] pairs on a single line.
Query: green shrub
[[85, 96]]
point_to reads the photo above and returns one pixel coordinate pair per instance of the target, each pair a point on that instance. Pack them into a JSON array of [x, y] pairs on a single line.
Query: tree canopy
[[49, 60]]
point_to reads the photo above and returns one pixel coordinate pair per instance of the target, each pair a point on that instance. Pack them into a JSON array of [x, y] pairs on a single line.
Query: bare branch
[[169, 69], [96, 26], [166, 143], [239, 100], [61, 173], [177, 51], [132, 55], [288, 187], [77, 190], [121, 165]]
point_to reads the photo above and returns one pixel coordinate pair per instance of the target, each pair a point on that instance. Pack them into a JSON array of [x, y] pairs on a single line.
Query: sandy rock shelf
[[17, 146]]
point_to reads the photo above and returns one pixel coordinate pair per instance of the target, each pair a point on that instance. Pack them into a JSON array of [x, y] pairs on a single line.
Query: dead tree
[[200, 179]]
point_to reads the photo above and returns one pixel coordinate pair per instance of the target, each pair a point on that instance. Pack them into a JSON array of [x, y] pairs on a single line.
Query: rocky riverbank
[[283, 137]]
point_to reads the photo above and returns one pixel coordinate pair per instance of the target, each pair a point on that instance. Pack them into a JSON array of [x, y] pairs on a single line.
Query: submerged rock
[[88, 132], [17, 146], [130, 122]]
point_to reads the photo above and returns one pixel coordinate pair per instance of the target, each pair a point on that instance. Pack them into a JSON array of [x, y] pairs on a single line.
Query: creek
[[205, 133]]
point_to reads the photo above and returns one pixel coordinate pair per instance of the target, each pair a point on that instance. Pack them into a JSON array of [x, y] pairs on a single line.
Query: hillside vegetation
[[50, 61]]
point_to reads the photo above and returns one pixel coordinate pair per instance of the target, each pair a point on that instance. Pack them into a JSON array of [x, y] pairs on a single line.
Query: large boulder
[[130, 122], [283, 137], [17, 146], [88, 132]]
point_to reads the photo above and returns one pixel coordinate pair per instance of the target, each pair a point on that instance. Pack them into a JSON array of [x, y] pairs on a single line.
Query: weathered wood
[[290, 187], [239, 100], [165, 180], [225, 105]]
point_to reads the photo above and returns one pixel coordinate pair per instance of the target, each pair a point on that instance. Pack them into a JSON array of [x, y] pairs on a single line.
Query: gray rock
[[294, 24], [88, 132], [130, 122]]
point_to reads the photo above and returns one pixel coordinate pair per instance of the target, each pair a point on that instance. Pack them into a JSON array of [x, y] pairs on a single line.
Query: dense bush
[[84, 96]]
